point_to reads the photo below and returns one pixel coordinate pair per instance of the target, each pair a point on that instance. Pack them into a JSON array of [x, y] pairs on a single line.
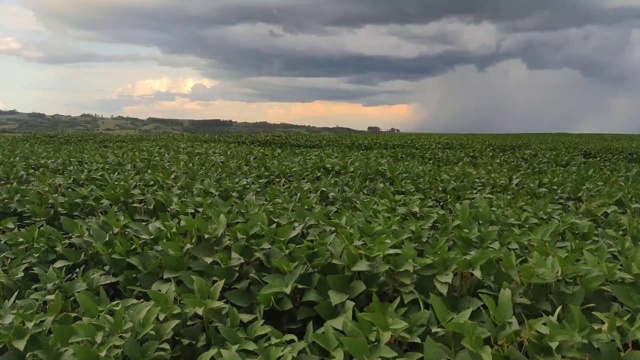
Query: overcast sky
[[420, 65]]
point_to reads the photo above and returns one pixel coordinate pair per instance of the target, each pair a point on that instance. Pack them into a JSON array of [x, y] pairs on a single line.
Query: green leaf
[[87, 305], [12, 355], [274, 287], [626, 295], [514, 353], [361, 265], [591, 282], [443, 288], [440, 308], [56, 305], [132, 349], [491, 304], [356, 288], [139, 312], [98, 234], [504, 310], [339, 283], [20, 343], [82, 331], [165, 330], [485, 353], [239, 297], [327, 339], [384, 351], [632, 355], [83, 352], [230, 355], [201, 287], [69, 225], [446, 278], [160, 299], [231, 335], [215, 290], [337, 298], [433, 350], [358, 347], [62, 334], [207, 355]]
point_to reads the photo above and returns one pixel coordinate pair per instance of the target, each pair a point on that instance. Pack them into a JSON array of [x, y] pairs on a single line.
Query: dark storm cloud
[[313, 15], [190, 29]]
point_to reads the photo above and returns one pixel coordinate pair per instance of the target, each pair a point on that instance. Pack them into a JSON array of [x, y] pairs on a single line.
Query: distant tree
[[9, 112], [394, 130], [36, 115], [373, 128]]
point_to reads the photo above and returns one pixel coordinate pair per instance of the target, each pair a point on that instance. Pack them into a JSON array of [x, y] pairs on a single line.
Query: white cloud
[[12, 46], [149, 87], [18, 18], [9, 44]]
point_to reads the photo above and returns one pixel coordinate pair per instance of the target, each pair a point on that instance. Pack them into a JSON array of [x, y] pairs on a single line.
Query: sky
[[491, 66]]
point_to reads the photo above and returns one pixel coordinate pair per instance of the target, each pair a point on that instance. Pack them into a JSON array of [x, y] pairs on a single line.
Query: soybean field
[[302, 246]]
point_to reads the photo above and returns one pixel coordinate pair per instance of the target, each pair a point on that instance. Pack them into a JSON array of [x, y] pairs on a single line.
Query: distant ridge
[[16, 122]]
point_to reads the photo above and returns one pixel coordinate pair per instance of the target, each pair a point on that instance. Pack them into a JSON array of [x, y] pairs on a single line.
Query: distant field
[[319, 246]]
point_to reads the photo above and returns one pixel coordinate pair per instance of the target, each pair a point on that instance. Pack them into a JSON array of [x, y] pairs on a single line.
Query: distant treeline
[[36, 115], [9, 112], [195, 124]]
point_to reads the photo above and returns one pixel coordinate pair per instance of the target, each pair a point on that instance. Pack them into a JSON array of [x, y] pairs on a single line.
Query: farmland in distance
[[360, 246]]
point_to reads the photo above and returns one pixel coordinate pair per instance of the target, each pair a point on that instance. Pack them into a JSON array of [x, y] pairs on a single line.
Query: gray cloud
[[361, 50], [282, 89], [509, 97]]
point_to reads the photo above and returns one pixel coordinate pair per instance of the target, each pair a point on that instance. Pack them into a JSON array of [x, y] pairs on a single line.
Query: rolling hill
[[12, 121]]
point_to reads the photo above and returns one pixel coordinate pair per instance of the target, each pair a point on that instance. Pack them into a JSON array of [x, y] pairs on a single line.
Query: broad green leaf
[[337, 298], [20, 343], [592, 282], [433, 350], [626, 295], [83, 352], [632, 355], [504, 310], [69, 225], [239, 297], [207, 355], [201, 287], [160, 299], [133, 350], [440, 309], [215, 290], [339, 283], [357, 347], [55, 306], [229, 354], [361, 265], [88, 306], [62, 334], [384, 351], [12, 355]]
